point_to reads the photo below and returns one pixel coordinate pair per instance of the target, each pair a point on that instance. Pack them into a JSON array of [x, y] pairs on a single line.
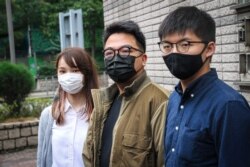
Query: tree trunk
[[93, 42]]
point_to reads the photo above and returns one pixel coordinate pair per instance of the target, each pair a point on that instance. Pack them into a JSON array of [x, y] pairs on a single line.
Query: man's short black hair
[[129, 27], [188, 18]]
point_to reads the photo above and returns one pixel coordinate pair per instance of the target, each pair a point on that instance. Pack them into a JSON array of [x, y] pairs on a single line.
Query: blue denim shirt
[[207, 126]]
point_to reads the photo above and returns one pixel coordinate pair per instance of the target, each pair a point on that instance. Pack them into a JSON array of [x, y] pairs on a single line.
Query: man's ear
[[210, 49], [144, 59]]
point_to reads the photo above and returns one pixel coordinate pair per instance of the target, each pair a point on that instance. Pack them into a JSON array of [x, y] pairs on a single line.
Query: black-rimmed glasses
[[123, 52], [181, 46]]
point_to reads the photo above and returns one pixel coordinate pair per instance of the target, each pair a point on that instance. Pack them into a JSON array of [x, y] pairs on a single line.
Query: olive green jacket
[[138, 134]]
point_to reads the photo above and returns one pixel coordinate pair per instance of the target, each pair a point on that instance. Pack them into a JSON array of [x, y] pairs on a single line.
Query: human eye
[[109, 53], [124, 51], [61, 71], [166, 46], [184, 44], [75, 70]]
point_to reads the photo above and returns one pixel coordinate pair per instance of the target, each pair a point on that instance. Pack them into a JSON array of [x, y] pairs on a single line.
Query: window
[[248, 63], [244, 31], [243, 1], [243, 15], [242, 8], [244, 63]]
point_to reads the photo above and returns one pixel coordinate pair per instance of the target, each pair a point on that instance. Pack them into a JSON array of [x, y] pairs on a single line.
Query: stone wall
[[51, 83], [150, 13], [46, 84], [18, 135]]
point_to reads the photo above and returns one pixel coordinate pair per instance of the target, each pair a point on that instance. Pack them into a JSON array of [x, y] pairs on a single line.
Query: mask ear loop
[[210, 56], [206, 44]]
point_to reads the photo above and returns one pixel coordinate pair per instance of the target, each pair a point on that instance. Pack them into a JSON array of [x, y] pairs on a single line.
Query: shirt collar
[[67, 105], [199, 83]]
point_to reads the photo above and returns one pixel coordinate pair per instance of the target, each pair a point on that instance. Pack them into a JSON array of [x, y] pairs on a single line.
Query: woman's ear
[[210, 49]]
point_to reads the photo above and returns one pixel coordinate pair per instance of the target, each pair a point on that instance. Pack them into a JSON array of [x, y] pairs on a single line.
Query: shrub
[[16, 82], [5, 109], [31, 107], [34, 106]]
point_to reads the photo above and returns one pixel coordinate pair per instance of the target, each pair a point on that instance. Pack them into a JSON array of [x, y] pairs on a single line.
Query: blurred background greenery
[[37, 42], [38, 20]]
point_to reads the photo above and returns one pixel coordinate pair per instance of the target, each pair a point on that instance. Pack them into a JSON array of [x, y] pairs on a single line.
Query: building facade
[[232, 17]]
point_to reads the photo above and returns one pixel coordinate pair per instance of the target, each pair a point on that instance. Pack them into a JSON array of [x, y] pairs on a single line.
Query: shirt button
[[182, 106], [192, 95], [176, 128], [173, 150]]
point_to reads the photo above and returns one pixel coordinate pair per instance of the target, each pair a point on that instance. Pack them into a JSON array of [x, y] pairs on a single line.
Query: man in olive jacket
[[126, 126]]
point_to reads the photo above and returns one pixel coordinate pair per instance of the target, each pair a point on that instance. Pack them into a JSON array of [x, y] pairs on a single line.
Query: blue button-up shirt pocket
[[195, 145]]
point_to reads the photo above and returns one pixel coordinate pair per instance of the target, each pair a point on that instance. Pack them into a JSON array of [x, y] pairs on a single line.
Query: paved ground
[[23, 158]]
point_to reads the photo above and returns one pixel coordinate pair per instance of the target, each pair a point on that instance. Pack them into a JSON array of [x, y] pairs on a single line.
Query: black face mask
[[120, 69], [183, 66]]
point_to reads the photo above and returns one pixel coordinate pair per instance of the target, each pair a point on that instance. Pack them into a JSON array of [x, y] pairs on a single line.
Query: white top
[[68, 139]]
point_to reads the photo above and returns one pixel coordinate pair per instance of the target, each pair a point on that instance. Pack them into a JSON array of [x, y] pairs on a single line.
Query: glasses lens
[[124, 52], [165, 47], [108, 54], [183, 46]]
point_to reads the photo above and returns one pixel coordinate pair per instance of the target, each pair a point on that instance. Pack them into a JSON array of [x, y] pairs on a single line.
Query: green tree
[[43, 15], [25, 13]]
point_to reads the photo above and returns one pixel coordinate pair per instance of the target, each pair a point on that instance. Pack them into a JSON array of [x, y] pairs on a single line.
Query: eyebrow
[[119, 47], [108, 48], [184, 39]]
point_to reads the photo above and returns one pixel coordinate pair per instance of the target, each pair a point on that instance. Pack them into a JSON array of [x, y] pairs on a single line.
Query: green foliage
[[45, 71], [42, 15], [16, 82], [42, 43], [24, 13], [31, 107], [93, 22], [92, 13], [34, 106], [5, 110], [99, 60]]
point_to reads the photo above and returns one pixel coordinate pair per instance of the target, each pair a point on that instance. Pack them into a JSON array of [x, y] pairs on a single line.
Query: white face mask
[[71, 83]]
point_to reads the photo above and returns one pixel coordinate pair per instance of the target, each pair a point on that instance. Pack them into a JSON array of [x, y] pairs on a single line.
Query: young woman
[[63, 125]]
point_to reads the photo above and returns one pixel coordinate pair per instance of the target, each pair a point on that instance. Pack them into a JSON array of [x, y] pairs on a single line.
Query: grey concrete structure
[[230, 16], [18, 135]]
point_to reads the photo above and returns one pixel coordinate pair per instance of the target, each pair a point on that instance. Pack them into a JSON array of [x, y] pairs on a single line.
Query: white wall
[[149, 14]]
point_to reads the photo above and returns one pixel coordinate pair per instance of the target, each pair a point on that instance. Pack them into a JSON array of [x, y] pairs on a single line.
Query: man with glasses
[[126, 125], [208, 122]]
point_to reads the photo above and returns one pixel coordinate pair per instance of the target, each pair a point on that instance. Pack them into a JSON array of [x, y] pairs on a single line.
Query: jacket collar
[[135, 85], [109, 93]]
